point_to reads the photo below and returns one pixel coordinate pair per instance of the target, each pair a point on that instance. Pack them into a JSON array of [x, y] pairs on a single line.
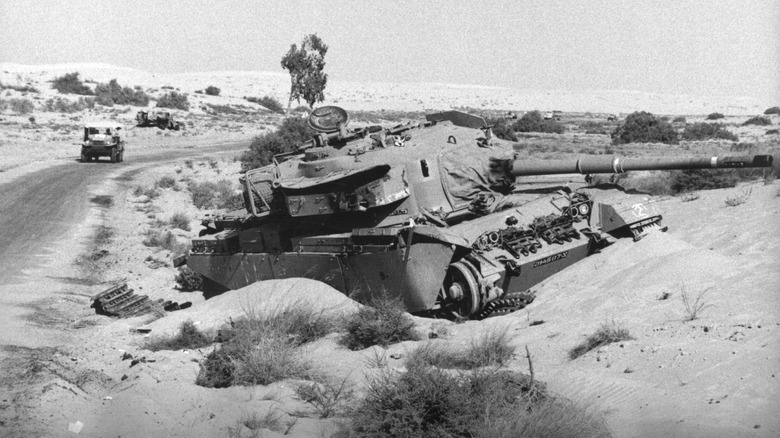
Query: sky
[[701, 48]]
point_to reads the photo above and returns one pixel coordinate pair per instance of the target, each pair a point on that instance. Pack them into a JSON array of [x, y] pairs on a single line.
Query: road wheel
[[460, 291]]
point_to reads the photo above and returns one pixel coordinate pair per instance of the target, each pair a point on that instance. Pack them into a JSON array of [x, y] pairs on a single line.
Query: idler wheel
[[461, 291]]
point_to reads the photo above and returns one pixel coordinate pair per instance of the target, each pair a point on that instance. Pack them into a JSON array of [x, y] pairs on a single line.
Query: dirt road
[[40, 208]]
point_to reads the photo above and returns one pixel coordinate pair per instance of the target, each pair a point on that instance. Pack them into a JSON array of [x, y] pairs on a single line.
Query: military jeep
[[103, 139]]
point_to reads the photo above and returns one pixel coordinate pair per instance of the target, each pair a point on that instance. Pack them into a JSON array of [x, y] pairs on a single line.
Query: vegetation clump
[[268, 102], [383, 321], [291, 133], [715, 116], [606, 334], [69, 83], [431, 402], [188, 338], [174, 100], [707, 131], [502, 129], [758, 121], [60, 105], [262, 349], [112, 93], [534, 122], [772, 110], [188, 280], [644, 127], [490, 349], [212, 90], [215, 195], [21, 106]]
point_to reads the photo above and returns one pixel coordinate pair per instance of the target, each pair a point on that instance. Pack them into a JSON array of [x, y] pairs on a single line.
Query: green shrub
[[174, 100], [188, 338], [268, 102], [70, 83], [22, 106], [166, 182], [502, 129], [215, 195], [382, 322], [534, 122], [19, 88], [707, 131], [490, 349], [258, 350], [212, 90], [112, 93], [429, 402], [758, 121], [689, 180], [772, 110], [643, 127], [715, 116], [291, 133], [606, 334], [679, 119], [60, 105], [159, 238], [149, 192], [181, 221], [188, 280], [591, 127]]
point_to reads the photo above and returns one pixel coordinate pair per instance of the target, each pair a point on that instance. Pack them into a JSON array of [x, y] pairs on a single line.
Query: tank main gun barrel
[[614, 164]]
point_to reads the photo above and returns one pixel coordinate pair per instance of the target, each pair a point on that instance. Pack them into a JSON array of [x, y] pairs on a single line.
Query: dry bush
[[772, 110], [21, 106], [693, 307], [490, 349], [534, 122], [291, 133], [430, 402], [70, 83], [644, 127], [188, 280], [740, 198], [112, 93], [690, 196], [162, 239], [188, 338], [328, 396], [262, 349], [679, 119], [606, 334], [715, 116], [212, 90], [215, 195], [165, 182], [383, 321], [758, 121], [149, 192], [271, 420], [502, 129], [180, 220], [707, 131], [268, 102], [174, 100], [60, 105]]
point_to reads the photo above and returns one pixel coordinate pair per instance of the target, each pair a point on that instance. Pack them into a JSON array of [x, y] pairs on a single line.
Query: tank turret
[[428, 212]]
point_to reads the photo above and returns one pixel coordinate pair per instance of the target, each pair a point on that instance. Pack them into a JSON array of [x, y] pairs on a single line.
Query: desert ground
[[63, 372]]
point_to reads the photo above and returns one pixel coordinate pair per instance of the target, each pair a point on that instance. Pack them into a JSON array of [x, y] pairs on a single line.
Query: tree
[[306, 65]]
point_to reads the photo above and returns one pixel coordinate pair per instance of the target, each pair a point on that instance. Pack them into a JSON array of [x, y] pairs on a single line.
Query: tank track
[[508, 303]]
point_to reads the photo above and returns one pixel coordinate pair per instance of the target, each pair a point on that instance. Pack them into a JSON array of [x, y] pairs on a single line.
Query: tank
[[438, 213]]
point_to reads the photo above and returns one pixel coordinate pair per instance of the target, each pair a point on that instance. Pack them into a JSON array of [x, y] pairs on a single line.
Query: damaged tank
[[439, 213]]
